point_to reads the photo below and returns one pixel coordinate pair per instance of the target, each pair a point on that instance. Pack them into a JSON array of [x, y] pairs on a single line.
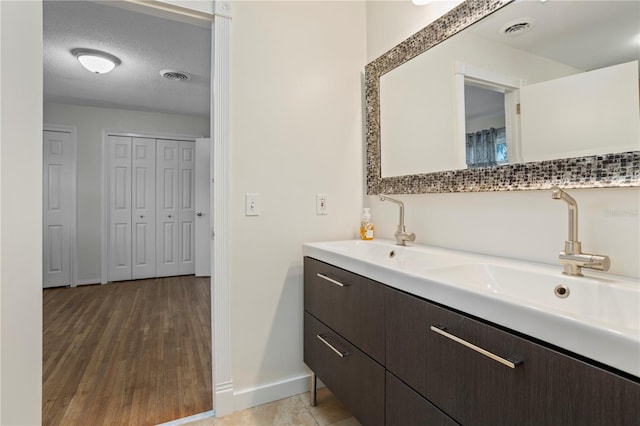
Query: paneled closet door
[[167, 207], [56, 265], [187, 207], [143, 237], [119, 246]]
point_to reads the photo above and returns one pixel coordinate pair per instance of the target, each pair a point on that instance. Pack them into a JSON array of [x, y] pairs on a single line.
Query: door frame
[[104, 187], [221, 24], [73, 140]]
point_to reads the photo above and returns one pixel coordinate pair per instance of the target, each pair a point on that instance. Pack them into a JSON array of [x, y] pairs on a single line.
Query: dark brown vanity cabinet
[[405, 407], [354, 377], [396, 359], [344, 337], [348, 303], [502, 379]]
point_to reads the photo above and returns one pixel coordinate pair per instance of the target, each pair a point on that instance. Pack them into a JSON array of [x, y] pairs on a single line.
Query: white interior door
[[119, 246], [167, 207], [203, 216], [143, 188], [57, 195], [187, 213]]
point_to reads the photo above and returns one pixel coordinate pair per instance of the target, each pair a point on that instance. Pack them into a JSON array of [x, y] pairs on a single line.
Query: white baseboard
[[259, 395], [223, 399], [89, 281]]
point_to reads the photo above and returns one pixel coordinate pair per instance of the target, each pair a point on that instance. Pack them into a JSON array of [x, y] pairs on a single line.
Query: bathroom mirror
[[417, 114]]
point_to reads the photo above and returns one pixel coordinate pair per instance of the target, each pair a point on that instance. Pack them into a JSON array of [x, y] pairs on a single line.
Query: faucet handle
[[573, 263], [402, 237]]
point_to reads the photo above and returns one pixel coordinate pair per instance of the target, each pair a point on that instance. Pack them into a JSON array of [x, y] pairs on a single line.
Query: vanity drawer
[[405, 407], [350, 304], [355, 379], [545, 387]]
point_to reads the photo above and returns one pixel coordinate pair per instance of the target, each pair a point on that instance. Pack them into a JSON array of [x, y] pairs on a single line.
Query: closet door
[[119, 247], [143, 237], [167, 207], [56, 261], [187, 207], [203, 200]]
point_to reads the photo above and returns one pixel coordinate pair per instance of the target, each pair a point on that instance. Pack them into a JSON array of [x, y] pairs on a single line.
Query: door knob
[[141, 216], [199, 214], [169, 216]]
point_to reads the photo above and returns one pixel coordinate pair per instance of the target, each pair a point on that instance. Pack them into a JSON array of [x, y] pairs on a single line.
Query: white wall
[[21, 213], [525, 225], [391, 21], [296, 131], [90, 121]]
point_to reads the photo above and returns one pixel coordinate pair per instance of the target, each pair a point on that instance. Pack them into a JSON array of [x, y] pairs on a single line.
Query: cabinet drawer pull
[[333, 348], [331, 280], [513, 363]]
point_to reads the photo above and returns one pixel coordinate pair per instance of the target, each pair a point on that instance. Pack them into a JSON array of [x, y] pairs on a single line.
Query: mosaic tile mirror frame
[[608, 170]]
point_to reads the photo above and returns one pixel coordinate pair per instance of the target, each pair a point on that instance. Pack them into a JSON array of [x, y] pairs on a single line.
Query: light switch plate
[[252, 205], [321, 204]]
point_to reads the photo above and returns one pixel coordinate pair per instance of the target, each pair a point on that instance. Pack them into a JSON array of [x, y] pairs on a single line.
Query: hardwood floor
[[127, 353]]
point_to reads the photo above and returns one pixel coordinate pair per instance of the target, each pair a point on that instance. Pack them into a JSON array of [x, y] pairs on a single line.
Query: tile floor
[[290, 411]]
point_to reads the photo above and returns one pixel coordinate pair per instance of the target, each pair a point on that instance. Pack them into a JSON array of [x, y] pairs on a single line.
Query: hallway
[[127, 353]]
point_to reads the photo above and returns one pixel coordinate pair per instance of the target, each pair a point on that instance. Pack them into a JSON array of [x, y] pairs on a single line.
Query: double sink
[[596, 316]]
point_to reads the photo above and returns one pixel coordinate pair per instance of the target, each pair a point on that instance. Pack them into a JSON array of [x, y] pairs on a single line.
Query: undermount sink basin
[[597, 316], [589, 299]]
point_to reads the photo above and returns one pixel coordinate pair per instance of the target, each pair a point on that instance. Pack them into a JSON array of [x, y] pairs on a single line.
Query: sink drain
[[392, 254], [561, 291]]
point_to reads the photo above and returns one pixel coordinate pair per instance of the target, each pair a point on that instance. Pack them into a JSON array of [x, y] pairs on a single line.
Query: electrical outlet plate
[[321, 204], [252, 205]]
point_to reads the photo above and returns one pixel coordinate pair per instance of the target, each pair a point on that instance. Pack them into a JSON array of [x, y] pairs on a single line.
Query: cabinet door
[[545, 388], [405, 407], [143, 193], [348, 303], [355, 379], [167, 207]]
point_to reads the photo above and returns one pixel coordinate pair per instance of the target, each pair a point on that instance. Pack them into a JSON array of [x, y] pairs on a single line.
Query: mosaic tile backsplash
[[610, 170]]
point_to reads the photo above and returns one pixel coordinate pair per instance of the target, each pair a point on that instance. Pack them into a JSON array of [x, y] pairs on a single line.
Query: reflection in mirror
[[485, 127], [532, 82]]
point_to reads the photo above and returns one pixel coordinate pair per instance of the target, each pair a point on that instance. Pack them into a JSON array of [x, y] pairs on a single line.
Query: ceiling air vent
[[517, 27], [174, 75]]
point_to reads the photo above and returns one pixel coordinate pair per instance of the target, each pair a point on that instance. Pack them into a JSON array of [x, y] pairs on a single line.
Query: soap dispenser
[[366, 227]]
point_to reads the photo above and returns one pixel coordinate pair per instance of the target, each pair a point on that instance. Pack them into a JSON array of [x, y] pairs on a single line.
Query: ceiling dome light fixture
[[96, 61]]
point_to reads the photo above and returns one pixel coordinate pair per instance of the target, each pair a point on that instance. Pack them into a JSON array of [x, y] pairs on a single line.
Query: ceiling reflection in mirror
[[533, 82]]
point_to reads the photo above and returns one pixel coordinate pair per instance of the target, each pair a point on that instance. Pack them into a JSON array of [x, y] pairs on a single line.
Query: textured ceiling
[[144, 43]]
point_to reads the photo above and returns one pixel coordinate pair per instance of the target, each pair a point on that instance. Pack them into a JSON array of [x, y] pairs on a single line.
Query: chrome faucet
[[572, 257], [402, 236]]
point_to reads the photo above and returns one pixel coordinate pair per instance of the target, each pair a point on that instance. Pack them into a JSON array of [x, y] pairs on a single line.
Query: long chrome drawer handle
[[331, 280], [509, 363], [333, 348]]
